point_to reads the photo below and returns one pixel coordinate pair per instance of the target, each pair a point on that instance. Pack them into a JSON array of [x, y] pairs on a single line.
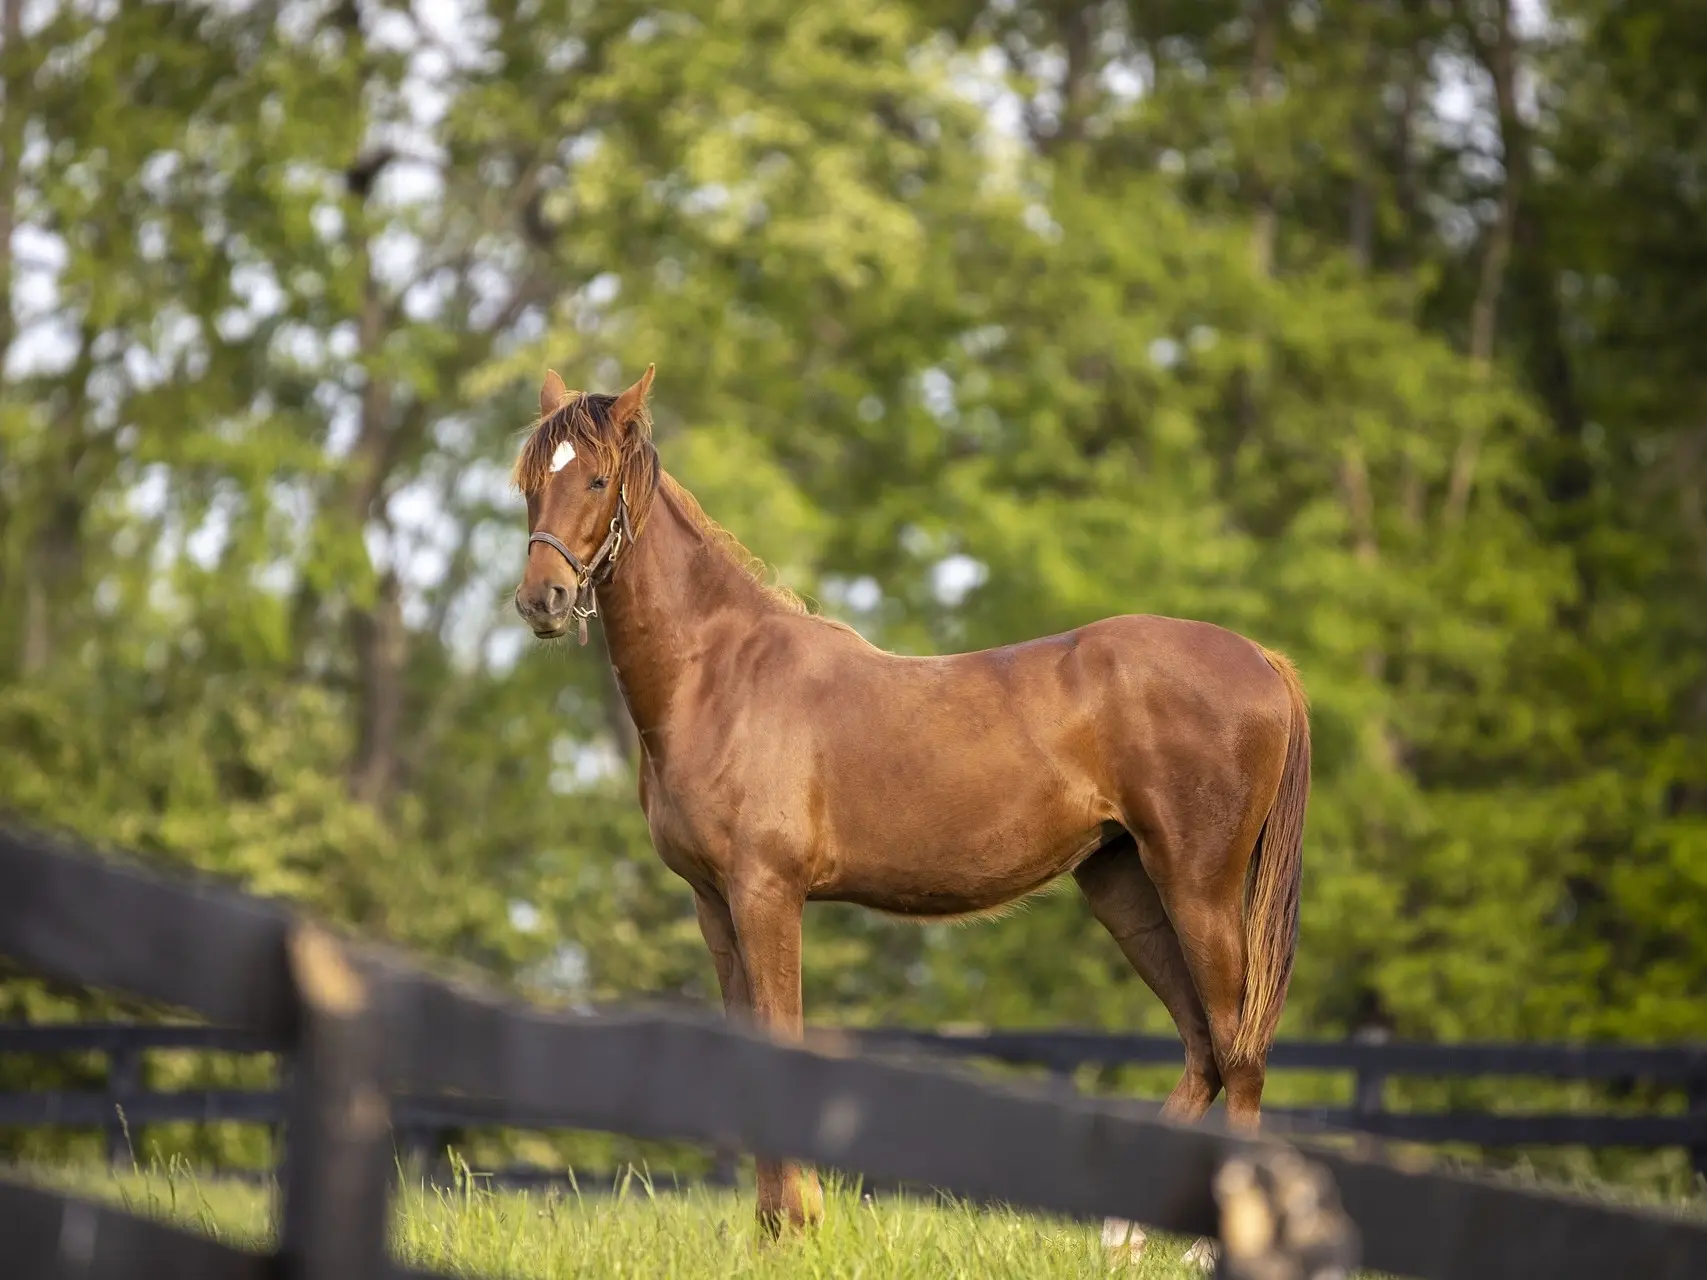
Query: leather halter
[[597, 571]]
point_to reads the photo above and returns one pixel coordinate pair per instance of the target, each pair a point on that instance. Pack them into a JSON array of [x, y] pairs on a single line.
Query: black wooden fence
[[367, 1037], [124, 1105], [1676, 1070]]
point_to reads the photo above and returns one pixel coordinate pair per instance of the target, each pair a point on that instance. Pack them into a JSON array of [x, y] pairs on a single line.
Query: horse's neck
[[675, 593]]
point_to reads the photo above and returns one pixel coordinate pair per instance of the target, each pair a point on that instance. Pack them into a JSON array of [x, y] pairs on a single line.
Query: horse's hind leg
[[1198, 869], [1207, 912], [1124, 899]]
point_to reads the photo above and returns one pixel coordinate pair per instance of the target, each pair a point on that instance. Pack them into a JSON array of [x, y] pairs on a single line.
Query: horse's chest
[[707, 812], [684, 835]]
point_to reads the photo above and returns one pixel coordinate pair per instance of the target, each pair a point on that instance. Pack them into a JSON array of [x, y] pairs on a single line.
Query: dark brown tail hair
[[1272, 891]]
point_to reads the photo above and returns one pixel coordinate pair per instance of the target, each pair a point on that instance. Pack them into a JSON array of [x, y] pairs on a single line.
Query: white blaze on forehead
[[562, 457]]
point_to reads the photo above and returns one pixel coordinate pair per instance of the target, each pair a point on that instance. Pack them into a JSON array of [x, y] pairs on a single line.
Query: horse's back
[[1128, 654], [1050, 707]]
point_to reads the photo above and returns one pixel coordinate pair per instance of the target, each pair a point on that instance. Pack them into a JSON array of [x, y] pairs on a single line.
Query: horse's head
[[587, 460]]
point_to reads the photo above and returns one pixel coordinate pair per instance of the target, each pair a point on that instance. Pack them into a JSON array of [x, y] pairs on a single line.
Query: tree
[[1365, 329]]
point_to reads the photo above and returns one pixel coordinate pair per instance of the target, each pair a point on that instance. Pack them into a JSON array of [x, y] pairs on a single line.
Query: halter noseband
[[597, 571]]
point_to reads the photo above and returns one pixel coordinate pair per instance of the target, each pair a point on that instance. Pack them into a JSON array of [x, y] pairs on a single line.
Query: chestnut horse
[[1164, 764]]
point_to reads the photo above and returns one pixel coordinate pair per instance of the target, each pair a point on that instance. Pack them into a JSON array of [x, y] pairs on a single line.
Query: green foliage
[[976, 322]]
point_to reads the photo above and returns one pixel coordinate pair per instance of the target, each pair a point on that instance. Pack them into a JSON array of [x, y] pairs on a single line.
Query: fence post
[[337, 1168], [421, 1147], [414, 1149], [1698, 1110], [1281, 1217], [1369, 1092], [1063, 1068], [282, 1088], [124, 1082], [725, 1168]]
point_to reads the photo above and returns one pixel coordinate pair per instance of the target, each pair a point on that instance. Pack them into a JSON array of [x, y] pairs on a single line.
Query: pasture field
[[631, 1231]]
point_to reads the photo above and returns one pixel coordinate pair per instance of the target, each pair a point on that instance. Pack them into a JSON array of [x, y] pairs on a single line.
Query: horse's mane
[[583, 420], [731, 547]]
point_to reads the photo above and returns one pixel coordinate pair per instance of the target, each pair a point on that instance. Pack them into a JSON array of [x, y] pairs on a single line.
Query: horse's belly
[[965, 877]]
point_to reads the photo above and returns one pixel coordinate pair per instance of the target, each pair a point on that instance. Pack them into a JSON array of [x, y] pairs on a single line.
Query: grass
[[630, 1230]]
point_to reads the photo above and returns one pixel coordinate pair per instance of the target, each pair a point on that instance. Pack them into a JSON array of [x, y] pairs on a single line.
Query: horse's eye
[[599, 482]]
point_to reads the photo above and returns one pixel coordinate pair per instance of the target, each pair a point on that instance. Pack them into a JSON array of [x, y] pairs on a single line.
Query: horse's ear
[[552, 394], [630, 403]]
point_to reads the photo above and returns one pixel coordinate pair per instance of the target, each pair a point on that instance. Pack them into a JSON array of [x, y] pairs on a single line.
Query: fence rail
[[1068, 1049], [365, 1032], [417, 1120]]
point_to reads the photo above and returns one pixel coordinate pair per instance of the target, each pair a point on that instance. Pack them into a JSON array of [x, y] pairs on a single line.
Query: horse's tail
[[1272, 887]]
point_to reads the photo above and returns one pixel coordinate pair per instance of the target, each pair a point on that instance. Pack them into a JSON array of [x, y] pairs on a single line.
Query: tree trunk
[[381, 644], [1406, 197], [1264, 36], [1500, 61], [53, 555], [1262, 220], [12, 118], [11, 147], [1078, 87], [1405, 191], [380, 640]]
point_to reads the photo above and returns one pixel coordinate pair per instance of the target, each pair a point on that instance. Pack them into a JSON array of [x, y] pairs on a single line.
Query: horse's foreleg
[[718, 930], [767, 919]]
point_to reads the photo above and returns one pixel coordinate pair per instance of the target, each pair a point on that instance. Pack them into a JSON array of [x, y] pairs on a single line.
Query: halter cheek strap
[[597, 571]]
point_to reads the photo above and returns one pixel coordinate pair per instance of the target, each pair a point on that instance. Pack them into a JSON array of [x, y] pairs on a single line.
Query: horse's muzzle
[[545, 608]]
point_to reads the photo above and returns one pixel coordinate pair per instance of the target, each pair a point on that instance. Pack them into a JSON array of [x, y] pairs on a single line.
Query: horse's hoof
[[798, 1213], [810, 1204], [1122, 1241], [1201, 1255]]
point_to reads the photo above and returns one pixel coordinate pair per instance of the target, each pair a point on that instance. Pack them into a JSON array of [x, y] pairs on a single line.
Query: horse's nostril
[[541, 603]]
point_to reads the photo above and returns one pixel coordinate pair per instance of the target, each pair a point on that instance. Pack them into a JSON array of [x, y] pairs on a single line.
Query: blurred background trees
[[1374, 330]]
